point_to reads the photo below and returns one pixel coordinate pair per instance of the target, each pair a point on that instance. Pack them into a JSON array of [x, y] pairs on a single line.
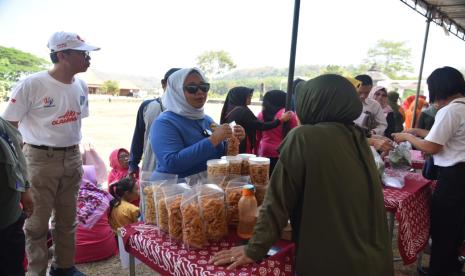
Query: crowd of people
[[327, 139]]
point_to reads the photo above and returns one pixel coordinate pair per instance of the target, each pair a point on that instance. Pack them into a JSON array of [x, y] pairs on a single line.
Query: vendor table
[[411, 207], [144, 242]]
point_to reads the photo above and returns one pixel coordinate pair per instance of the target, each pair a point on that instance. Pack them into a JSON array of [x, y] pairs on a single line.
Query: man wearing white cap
[[47, 107]]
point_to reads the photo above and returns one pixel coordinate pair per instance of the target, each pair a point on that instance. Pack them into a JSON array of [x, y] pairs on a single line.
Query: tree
[[215, 63], [4, 87], [335, 69], [393, 58], [15, 64], [111, 87]]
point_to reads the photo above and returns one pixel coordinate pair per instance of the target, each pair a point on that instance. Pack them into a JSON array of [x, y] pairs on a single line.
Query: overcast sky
[[146, 37]]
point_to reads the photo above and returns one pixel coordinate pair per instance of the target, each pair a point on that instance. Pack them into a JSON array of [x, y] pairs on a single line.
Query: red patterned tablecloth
[[155, 250], [411, 206]]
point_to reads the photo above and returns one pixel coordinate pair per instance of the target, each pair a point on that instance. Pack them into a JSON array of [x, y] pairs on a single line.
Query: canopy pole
[[290, 78], [425, 42]]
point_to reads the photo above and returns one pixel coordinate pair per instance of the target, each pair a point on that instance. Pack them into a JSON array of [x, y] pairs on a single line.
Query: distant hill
[[263, 72], [143, 82]]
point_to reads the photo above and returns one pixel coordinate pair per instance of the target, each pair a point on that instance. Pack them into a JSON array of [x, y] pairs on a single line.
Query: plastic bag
[[378, 161], [149, 188], [193, 227], [164, 199], [211, 200], [260, 192], [232, 143], [160, 204], [91, 157], [393, 181], [173, 197], [146, 180], [195, 179], [233, 194], [400, 156]]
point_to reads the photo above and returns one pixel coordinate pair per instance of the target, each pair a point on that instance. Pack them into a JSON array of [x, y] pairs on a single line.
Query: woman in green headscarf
[[327, 184], [399, 114]]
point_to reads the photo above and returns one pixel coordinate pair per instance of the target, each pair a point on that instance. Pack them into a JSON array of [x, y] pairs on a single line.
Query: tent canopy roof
[[449, 14]]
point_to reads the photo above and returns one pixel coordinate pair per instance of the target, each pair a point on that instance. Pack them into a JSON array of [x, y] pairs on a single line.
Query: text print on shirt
[[69, 116]]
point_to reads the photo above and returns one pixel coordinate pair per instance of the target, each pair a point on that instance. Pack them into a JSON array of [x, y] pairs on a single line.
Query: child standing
[[121, 211]]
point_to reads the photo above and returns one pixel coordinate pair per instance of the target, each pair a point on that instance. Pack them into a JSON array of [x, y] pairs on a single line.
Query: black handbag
[[430, 171]]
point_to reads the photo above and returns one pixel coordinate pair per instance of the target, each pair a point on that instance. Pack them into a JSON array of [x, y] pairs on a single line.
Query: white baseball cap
[[61, 41]]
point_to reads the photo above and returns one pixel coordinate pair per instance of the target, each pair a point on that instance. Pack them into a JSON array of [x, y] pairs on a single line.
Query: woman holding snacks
[[235, 110], [182, 137]]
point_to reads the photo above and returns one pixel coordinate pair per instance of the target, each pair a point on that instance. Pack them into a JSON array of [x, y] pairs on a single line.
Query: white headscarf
[[174, 100], [386, 107]]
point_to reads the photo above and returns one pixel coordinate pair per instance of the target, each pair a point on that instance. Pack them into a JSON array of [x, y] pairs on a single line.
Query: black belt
[[53, 148]]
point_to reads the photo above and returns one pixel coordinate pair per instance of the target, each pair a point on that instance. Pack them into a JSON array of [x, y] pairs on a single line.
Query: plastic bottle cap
[[248, 190]]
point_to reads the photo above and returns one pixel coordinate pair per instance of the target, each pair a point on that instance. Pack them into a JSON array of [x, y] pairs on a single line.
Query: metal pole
[[290, 78], [428, 21]]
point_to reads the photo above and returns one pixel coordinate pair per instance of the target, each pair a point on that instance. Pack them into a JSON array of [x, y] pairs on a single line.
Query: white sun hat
[[61, 41]]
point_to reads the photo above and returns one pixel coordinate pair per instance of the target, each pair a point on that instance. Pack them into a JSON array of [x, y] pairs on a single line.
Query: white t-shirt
[[374, 108], [49, 112], [449, 131]]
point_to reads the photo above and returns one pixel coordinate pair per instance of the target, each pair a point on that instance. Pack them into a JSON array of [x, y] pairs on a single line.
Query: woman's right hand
[[220, 133], [422, 133], [411, 131], [286, 116]]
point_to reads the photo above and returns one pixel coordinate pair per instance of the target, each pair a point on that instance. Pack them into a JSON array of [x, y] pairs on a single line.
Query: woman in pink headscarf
[[119, 163]]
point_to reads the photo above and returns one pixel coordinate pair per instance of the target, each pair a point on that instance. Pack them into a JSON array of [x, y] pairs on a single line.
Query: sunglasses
[[85, 54], [193, 88]]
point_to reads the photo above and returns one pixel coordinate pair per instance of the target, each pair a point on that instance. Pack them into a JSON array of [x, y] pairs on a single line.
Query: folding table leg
[[420, 261], [391, 224], [132, 266]]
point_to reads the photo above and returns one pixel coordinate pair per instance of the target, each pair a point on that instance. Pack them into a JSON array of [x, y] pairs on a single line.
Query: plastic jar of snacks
[[245, 162], [217, 167], [259, 170], [235, 164]]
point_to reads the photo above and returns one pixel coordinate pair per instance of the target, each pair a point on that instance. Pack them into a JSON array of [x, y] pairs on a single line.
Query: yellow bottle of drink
[[247, 212]]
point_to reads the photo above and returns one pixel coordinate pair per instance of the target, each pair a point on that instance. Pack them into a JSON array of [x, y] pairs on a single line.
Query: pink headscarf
[[117, 172], [386, 108]]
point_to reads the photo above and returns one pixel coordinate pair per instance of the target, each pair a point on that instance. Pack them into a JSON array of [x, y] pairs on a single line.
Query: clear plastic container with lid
[[259, 168], [247, 207], [217, 167], [245, 162], [235, 164]]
